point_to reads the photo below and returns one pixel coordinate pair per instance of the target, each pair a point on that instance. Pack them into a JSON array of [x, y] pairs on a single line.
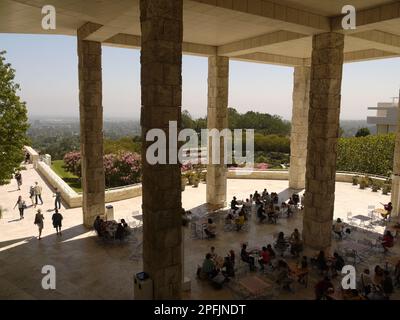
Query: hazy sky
[[47, 70]]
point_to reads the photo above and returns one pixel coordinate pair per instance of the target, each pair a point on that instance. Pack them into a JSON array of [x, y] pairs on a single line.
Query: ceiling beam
[[134, 41], [363, 55], [369, 54], [386, 41], [253, 44], [87, 29], [261, 57], [275, 11], [369, 18]]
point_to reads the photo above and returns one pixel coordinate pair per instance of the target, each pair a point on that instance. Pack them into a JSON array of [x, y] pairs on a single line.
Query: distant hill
[[350, 127]]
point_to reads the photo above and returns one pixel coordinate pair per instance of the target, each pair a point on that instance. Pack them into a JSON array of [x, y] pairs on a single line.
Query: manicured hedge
[[370, 154]]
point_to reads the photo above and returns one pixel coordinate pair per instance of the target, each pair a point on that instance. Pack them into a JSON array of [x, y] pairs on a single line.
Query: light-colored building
[[386, 117]]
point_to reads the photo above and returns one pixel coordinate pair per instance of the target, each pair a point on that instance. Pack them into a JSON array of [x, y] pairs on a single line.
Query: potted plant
[[355, 180], [183, 183], [363, 183], [203, 176], [196, 181], [386, 188], [191, 177], [375, 186]]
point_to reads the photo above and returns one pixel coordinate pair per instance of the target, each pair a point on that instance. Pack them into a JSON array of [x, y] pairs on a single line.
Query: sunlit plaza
[[192, 239]]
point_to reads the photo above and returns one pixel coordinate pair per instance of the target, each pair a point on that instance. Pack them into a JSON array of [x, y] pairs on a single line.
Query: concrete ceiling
[[253, 30]]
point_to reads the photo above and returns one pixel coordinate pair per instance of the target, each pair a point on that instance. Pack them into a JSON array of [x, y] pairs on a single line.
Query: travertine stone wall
[[323, 133], [91, 128], [161, 85], [395, 193], [217, 118], [298, 136]]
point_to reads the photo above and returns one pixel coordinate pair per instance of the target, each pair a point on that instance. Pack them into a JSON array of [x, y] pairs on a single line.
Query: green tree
[[363, 132], [13, 122]]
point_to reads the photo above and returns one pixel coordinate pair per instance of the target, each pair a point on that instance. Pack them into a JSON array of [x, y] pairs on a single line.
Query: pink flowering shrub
[[262, 166], [72, 163], [120, 169]]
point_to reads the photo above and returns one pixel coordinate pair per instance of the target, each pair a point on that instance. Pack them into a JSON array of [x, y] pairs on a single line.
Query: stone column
[[298, 136], [161, 85], [395, 193], [91, 129], [323, 133], [217, 118]]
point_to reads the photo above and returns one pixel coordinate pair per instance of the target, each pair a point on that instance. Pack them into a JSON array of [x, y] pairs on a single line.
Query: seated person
[[213, 253], [366, 282], [338, 263], [228, 267], [239, 221], [120, 232], [397, 274], [272, 214], [264, 258], [247, 258], [281, 244], [376, 293], [304, 263], [388, 207], [274, 198], [261, 214], [320, 262], [387, 241], [338, 228], [185, 217], [99, 226], [378, 275], [125, 226], [283, 275], [256, 196], [296, 199], [296, 245], [387, 283], [284, 208], [208, 267], [271, 252], [247, 208], [322, 288], [234, 204], [211, 230]]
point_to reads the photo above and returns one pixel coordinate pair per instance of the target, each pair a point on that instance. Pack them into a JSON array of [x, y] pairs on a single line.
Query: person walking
[[32, 194], [57, 204], [18, 177], [57, 218], [38, 194], [21, 207], [39, 222]]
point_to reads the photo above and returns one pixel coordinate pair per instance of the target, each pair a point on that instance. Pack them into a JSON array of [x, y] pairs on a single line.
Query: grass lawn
[[69, 178]]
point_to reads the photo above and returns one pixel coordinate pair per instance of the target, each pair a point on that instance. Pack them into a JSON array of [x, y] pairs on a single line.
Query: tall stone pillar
[[91, 128], [298, 136], [395, 193], [323, 133], [161, 85], [217, 118]]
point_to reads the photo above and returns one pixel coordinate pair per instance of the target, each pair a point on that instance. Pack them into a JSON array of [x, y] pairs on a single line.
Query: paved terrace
[[88, 268]]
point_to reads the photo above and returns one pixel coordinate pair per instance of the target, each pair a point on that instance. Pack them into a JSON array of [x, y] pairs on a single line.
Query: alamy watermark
[[164, 150]]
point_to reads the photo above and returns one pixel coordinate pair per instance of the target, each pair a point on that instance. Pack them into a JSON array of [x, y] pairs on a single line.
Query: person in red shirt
[[265, 258], [388, 240]]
